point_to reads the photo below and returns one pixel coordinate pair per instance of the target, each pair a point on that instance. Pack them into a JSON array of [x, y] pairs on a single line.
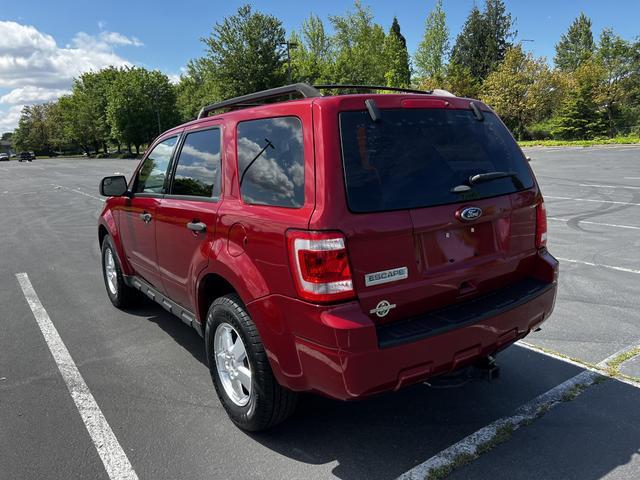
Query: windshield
[[413, 158]]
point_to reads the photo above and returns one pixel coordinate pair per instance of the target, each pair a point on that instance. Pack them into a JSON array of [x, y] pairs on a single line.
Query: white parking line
[[592, 200], [594, 223], [632, 178], [607, 186], [526, 413], [113, 457], [75, 190], [471, 444], [591, 264]]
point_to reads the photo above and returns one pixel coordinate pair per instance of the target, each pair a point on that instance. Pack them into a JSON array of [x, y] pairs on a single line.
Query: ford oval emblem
[[470, 213]]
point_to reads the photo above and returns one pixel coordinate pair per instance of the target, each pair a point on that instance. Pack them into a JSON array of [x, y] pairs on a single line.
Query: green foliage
[[580, 117], [398, 73], [244, 53], [519, 90], [313, 58], [195, 89], [593, 91], [576, 46], [432, 52], [358, 43], [620, 61], [141, 105], [484, 39]]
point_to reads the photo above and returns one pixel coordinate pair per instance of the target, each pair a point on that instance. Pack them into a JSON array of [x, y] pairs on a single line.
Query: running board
[[165, 302]]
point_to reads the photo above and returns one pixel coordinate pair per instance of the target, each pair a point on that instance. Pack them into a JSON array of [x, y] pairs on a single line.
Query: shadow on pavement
[[597, 435], [384, 436]]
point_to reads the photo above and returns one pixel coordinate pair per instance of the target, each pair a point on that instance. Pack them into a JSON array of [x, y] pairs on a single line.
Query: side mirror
[[115, 186], [528, 159]]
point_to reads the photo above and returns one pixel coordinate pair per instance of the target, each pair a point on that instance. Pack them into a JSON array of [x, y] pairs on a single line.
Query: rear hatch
[[422, 235]]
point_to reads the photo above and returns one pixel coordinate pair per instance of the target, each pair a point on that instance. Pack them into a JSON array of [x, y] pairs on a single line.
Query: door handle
[[146, 217], [196, 226]]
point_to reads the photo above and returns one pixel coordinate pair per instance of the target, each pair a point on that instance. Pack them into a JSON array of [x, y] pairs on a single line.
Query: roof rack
[[370, 87], [303, 89]]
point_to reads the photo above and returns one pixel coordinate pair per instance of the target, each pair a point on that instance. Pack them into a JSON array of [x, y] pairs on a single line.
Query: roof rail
[[303, 89], [371, 87]]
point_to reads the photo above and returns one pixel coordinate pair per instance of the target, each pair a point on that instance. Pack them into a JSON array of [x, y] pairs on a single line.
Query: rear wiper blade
[[486, 177]]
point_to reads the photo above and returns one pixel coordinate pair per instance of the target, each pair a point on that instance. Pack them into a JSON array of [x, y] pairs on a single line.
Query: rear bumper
[[338, 351]]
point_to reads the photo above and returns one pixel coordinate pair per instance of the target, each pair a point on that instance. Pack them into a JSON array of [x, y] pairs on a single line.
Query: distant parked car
[[4, 157], [26, 157]]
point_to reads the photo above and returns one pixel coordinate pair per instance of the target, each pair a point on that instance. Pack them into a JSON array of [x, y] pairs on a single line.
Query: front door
[[138, 215], [187, 215]]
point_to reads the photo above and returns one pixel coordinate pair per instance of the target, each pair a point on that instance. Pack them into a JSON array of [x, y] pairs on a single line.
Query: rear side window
[[153, 172], [412, 158], [198, 169], [271, 162]]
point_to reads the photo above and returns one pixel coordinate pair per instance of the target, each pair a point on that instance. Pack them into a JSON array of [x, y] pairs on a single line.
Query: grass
[[622, 140], [613, 366]]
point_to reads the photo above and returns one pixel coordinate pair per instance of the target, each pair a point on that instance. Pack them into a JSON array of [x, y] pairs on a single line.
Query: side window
[[271, 162], [153, 172], [198, 168]]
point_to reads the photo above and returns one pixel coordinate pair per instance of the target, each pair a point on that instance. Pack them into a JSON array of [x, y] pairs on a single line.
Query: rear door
[[187, 215], [138, 214], [422, 235]]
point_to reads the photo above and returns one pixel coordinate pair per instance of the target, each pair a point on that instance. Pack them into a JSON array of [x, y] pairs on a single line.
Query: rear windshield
[[412, 158]]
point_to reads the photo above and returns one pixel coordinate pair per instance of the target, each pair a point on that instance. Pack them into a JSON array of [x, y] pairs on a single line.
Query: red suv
[[345, 245]]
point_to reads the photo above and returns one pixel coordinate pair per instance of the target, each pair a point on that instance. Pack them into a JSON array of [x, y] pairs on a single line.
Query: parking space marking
[[592, 264], [594, 223], [607, 186], [114, 459], [75, 190], [593, 200], [472, 445]]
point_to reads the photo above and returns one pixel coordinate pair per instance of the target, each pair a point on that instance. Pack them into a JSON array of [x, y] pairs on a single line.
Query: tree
[[196, 88], [313, 57], [244, 53], [431, 55], [398, 72], [141, 105], [580, 117], [576, 46], [519, 90], [620, 63], [358, 42], [32, 132], [484, 39], [498, 27]]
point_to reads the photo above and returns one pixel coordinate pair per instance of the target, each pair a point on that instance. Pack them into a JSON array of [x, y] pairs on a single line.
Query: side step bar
[[165, 302]]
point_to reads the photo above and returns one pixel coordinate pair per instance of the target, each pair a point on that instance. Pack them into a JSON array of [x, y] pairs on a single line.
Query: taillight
[[541, 225], [320, 265]]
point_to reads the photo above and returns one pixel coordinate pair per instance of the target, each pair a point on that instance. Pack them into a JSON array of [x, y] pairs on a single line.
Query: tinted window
[[153, 172], [198, 169], [413, 158], [271, 156]]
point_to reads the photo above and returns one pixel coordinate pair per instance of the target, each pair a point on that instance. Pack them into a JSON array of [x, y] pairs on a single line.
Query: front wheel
[[240, 370]]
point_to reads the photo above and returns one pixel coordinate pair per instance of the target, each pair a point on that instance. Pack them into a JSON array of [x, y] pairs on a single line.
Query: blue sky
[[69, 36]]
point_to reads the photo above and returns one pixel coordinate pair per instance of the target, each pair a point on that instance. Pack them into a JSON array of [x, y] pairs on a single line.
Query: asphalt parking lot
[[146, 370]]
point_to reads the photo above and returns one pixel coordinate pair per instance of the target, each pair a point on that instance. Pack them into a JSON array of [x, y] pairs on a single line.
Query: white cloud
[[9, 118], [34, 68], [32, 94]]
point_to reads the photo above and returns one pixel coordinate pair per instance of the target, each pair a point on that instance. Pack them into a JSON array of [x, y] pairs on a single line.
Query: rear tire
[[120, 294], [265, 403]]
